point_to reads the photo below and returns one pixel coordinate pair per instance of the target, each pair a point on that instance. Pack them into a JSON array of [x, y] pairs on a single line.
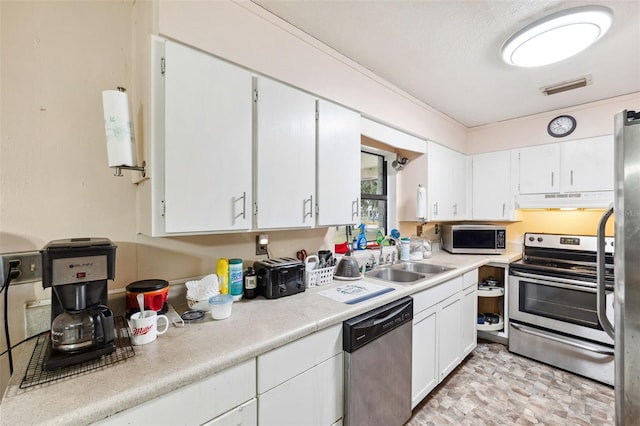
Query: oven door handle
[[600, 260], [556, 282], [555, 338]]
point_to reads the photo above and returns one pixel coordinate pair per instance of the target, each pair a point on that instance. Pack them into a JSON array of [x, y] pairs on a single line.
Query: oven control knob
[[531, 238], [539, 239]]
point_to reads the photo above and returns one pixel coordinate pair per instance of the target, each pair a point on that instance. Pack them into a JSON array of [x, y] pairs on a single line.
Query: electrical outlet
[[437, 229], [29, 266]]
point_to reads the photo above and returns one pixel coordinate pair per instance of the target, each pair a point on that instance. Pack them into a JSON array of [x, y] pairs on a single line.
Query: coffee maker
[[82, 326]]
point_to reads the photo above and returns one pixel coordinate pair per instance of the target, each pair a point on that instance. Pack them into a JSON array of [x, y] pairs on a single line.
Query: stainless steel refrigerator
[[626, 327]]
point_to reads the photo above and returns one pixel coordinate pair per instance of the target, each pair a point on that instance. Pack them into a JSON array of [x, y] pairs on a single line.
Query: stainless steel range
[[553, 304]]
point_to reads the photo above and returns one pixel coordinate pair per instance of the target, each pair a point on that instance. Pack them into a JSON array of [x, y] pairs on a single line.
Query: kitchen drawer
[[195, 403], [313, 398], [469, 279], [281, 364], [437, 294], [244, 415]]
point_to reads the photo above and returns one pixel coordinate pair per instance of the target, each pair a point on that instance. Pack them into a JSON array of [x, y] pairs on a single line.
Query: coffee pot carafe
[[77, 331]]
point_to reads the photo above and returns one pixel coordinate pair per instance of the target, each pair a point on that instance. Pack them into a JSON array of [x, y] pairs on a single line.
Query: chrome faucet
[[397, 245]]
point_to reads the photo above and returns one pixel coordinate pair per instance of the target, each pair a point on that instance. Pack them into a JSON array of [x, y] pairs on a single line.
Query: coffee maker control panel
[[73, 270]]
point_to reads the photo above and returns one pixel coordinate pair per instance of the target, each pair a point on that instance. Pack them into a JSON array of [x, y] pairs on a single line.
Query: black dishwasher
[[377, 347]]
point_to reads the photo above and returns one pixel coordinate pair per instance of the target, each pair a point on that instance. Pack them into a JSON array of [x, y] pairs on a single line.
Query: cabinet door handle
[[304, 208], [435, 209], [354, 209], [551, 179], [504, 207], [571, 178], [244, 206]]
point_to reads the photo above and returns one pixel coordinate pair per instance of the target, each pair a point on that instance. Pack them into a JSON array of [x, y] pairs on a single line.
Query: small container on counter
[[250, 283], [221, 306], [235, 279]]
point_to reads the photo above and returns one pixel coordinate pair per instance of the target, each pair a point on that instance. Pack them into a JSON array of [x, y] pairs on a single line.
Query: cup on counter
[[325, 257], [145, 329]]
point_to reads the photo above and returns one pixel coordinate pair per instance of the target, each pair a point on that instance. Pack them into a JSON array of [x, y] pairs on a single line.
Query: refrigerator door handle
[[601, 299]]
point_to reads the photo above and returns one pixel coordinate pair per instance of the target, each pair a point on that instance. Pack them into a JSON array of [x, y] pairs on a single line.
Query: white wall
[[593, 119]]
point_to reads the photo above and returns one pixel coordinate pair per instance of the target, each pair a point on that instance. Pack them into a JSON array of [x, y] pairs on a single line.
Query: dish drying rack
[[317, 277]]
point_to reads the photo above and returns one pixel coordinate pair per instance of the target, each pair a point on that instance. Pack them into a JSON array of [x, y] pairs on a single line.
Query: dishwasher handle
[[360, 330]]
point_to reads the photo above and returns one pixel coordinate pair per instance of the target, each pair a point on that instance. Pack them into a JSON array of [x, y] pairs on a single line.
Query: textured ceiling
[[447, 53]]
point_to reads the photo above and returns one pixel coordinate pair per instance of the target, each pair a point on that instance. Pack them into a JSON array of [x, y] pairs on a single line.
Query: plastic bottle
[[362, 239], [222, 270], [250, 283], [405, 245], [235, 279], [379, 237], [354, 244]]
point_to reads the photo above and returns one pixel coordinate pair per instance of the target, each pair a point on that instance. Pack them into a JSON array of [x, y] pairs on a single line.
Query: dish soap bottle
[[362, 238]]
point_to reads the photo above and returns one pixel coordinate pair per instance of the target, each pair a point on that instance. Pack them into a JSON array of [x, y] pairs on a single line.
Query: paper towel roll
[[421, 202], [121, 145]]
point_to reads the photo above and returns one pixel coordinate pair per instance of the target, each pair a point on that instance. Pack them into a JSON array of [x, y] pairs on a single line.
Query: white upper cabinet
[[540, 169], [492, 195], [587, 165], [206, 140], [446, 184], [285, 149], [338, 171], [577, 173]]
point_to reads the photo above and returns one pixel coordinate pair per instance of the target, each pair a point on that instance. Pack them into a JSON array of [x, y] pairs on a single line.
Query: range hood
[[571, 200]]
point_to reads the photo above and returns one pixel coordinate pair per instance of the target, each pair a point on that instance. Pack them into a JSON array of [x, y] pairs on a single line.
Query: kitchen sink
[[422, 268], [406, 272], [395, 275]]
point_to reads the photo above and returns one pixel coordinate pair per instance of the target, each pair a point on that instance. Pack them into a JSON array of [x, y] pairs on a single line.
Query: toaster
[[279, 277]]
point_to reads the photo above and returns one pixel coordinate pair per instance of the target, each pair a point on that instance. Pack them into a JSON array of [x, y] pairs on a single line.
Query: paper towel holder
[[142, 169]]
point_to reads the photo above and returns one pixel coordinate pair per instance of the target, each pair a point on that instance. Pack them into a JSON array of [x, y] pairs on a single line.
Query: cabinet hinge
[[317, 115], [255, 208], [162, 66], [255, 95], [163, 207]]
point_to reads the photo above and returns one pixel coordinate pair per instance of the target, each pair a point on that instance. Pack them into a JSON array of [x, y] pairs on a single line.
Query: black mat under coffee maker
[[82, 326]]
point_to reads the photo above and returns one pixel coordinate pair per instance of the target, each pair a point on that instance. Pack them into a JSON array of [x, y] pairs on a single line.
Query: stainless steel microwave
[[474, 239]]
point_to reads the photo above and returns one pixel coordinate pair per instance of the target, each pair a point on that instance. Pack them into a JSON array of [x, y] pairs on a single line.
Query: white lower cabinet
[[424, 373], [301, 383], [449, 321], [443, 330], [224, 398], [244, 415], [469, 312]]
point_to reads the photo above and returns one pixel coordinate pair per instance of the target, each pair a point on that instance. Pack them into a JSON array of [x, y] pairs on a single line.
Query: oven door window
[[562, 304], [476, 239]]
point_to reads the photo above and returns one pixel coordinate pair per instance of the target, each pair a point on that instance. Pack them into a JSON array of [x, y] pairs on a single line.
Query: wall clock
[[561, 126]]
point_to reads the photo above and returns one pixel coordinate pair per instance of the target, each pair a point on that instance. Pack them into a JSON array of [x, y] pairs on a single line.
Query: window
[[373, 189], [373, 199]]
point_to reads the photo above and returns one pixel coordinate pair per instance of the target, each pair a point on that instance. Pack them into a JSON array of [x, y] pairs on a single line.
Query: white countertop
[[186, 355]]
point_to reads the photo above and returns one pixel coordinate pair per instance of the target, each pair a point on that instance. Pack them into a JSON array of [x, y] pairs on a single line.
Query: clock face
[[561, 126]]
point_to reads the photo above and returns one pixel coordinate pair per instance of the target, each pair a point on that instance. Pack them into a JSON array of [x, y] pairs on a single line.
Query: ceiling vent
[[566, 85]]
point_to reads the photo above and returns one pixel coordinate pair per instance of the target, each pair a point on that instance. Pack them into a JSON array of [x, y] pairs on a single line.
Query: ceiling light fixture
[[557, 36]]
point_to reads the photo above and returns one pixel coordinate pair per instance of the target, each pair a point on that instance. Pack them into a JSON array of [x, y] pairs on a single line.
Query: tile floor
[[495, 387]]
